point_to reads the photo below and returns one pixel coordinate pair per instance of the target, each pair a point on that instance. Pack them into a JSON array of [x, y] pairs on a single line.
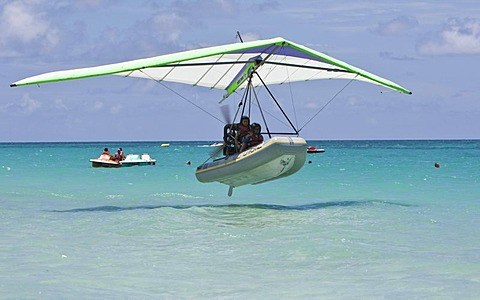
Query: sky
[[430, 47]]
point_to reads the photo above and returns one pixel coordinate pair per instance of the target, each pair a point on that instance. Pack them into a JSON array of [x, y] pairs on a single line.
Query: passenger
[[118, 156], [256, 136], [105, 155], [121, 154], [253, 138]]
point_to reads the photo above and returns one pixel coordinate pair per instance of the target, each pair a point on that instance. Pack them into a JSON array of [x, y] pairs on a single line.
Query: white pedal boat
[[130, 160]]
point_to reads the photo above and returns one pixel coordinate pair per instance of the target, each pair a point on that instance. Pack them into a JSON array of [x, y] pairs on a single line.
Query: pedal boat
[[130, 160]]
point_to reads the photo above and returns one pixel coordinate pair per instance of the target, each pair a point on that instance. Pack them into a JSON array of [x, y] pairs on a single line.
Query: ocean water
[[364, 220]]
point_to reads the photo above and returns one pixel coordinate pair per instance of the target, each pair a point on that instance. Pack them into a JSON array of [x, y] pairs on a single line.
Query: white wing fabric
[[227, 67]]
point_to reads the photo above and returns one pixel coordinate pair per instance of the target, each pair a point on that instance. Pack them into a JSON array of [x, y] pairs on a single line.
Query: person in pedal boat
[[119, 155], [105, 155]]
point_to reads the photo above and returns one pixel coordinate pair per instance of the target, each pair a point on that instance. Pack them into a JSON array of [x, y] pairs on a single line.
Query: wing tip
[[13, 85]]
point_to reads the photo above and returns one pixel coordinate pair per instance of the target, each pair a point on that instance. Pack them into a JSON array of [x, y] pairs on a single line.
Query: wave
[[276, 207]]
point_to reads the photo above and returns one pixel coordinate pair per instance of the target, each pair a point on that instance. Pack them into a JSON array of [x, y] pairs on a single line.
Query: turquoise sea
[[364, 220]]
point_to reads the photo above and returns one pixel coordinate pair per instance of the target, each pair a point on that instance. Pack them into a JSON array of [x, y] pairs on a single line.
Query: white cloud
[[26, 106], [397, 26], [459, 36], [20, 22], [23, 23], [226, 6], [116, 109], [249, 36], [312, 105], [59, 104], [393, 56], [169, 25], [98, 105]]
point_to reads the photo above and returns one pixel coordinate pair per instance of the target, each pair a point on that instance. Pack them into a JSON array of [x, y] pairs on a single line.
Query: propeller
[[226, 114], [225, 110]]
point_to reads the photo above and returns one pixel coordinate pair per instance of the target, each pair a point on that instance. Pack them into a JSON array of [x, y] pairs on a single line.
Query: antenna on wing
[[239, 36]]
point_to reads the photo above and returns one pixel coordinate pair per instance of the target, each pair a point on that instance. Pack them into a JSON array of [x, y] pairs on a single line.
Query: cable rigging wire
[[248, 93], [329, 101], [183, 97]]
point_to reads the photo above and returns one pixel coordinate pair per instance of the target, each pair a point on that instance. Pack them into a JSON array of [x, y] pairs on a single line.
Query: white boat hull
[[137, 163], [130, 160], [137, 160], [97, 163], [275, 158]]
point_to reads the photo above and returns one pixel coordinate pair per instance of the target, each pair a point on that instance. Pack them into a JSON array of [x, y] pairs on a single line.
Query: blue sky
[[430, 47]]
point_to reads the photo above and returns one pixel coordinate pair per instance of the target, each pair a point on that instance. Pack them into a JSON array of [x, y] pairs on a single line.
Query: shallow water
[[365, 219]]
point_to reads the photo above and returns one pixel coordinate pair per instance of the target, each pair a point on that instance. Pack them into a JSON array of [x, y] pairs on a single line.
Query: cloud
[[312, 104], [26, 106], [98, 105], [392, 56], [204, 9], [249, 36], [458, 36], [60, 105], [226, 6], [397, 26], [266, 6], [157, 33], [36, 27], [24, 23], [116, 109], [169, 26], [29, 105]]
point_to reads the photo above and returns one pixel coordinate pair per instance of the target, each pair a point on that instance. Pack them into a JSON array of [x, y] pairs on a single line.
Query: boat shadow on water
[[274, 207]]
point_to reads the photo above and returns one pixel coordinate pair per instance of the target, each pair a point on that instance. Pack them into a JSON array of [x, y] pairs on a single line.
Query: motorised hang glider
[[234, 67]]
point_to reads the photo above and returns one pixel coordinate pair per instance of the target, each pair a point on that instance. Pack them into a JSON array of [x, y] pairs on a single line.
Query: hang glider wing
[[228, 67]]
